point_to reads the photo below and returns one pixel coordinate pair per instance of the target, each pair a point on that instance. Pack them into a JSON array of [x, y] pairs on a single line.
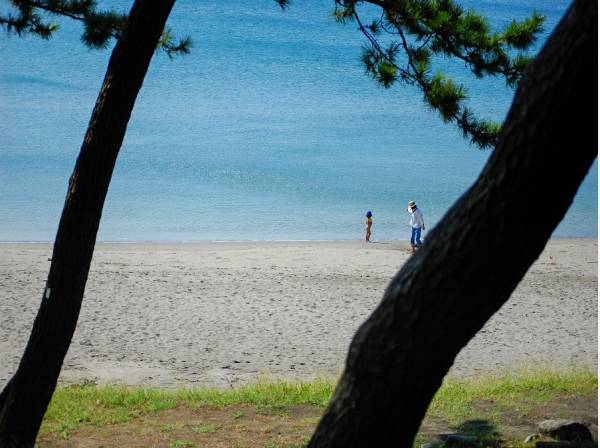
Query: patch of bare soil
[[243, 426], [234, 426]]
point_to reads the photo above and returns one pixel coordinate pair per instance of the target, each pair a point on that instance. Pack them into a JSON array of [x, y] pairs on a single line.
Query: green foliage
[[172, 48], [99, 27], [344, 15], [522, 35], [386, 72], [420, 31], [26, 21], [445, 96]]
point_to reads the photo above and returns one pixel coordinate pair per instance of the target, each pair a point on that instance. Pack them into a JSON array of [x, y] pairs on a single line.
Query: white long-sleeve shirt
[[416, 219]]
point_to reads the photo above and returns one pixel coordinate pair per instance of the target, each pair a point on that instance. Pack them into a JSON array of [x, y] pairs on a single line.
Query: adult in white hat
[[417, 223]]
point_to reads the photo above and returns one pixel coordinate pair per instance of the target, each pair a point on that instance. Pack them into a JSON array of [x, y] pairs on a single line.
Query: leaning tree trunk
[[25, 398], [478, 253]]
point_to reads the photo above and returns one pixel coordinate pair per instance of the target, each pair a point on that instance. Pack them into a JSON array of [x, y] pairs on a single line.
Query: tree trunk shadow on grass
[[482, 433], [472, 433]]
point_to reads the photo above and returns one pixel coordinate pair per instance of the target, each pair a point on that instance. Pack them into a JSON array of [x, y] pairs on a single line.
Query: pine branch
[[99, 26], [54, 8], [442, 28]]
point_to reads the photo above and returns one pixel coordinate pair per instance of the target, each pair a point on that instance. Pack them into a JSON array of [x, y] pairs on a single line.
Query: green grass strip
[[77, 405], [456, 398]]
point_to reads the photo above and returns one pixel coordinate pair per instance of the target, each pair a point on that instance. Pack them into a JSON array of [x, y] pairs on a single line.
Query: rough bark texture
[[25, 398], [478, 253]]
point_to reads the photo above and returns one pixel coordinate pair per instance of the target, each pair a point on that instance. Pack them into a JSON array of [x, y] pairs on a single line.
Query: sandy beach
[[221, 314]]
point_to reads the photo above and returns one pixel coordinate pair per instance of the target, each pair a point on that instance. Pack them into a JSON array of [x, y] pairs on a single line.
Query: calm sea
[[269, 130]]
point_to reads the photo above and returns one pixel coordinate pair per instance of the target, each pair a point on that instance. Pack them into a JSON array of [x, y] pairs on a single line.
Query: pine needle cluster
[[99, 26], [415, 32]]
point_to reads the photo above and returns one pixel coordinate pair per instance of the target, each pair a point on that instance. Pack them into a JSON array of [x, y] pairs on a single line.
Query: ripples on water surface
[[268, 130]]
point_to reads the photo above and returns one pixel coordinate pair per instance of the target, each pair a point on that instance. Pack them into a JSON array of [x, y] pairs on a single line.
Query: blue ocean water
[[269, 130]]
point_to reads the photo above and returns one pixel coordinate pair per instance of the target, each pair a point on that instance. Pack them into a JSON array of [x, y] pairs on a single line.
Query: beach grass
[[460, 399], [87, 405]]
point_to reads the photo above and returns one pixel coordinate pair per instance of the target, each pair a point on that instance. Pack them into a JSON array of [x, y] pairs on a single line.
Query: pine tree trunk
[[25, 398], [478, 253]]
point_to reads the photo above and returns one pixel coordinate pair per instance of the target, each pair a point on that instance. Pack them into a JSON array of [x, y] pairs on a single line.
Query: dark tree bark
[[478, 253], [25, 398]]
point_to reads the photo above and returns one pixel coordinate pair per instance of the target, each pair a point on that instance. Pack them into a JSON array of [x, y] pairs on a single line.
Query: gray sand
[[220, 314]]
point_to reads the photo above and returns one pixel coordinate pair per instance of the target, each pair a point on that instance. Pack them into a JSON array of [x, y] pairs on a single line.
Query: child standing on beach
[[368, 224]]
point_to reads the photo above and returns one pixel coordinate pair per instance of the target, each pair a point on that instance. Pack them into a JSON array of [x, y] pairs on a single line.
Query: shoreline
[[162, 243], [221, 314]]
